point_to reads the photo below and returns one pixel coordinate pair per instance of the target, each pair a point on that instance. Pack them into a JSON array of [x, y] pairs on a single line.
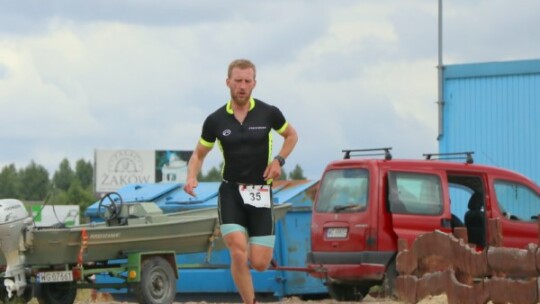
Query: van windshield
[[343, 190]]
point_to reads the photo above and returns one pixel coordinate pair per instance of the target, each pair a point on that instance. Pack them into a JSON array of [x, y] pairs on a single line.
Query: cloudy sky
[[81, 75]]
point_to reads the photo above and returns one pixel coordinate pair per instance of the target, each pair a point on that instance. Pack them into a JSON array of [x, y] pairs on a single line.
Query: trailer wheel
[[57, 293], [345, 292], [158, 282]]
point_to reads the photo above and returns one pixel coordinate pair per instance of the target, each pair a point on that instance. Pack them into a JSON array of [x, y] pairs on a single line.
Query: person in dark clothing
[[242, 129]]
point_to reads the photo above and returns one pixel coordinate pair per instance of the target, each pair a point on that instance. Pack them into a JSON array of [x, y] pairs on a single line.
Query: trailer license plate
[[336, 233], [54, 276]]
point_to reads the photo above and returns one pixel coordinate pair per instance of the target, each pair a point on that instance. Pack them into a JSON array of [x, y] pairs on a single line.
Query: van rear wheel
[[345, 292]]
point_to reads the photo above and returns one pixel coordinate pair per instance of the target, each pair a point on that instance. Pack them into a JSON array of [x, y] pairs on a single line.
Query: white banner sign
[[116, 168]]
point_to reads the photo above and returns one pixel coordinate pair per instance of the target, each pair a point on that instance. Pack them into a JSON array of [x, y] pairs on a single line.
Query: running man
[[242, 128]]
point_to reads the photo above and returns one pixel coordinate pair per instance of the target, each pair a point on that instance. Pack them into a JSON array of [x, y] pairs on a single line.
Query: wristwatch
[[280, 160]]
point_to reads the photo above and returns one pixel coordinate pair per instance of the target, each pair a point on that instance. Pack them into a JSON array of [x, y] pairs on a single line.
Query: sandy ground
[[217, 299], [86, 296]]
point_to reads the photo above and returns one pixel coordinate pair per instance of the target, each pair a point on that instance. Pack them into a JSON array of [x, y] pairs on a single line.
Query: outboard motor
[[14, 223]]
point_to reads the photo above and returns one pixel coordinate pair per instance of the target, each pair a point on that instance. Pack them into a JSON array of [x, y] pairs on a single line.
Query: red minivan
[[364, 205]]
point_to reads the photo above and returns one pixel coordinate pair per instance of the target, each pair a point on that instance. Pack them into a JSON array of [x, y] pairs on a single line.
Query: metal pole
[[440, 101]]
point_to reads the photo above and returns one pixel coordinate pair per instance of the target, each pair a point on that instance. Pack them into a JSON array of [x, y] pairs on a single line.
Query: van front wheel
[[344, 292], [389, 282]]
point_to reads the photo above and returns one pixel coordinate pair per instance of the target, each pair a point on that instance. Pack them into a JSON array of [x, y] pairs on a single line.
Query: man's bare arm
[[194, 167], [273, 170]]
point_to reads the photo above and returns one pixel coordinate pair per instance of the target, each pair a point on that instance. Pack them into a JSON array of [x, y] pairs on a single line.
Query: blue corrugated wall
[[493, 109]]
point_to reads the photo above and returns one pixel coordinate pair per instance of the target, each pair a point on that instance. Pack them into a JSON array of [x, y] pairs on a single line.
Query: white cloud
[[30, 101], [137, 74], [483, 31]]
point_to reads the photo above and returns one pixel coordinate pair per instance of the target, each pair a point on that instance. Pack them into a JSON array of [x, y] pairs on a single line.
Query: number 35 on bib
[[256, 195]]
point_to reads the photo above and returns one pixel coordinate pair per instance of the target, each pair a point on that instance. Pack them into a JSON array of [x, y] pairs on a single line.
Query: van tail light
[[371, 239]]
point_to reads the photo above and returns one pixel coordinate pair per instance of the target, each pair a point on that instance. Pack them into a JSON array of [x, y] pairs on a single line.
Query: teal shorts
[[266, 240]]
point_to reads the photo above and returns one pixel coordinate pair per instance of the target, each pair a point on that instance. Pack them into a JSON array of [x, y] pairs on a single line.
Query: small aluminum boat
[[127, 228]]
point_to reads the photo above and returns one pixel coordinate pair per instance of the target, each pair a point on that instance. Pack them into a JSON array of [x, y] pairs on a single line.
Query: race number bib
[[256, 195]]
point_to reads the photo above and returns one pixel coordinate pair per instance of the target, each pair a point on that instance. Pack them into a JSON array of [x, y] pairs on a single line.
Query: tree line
[[68, 185], [75, 185], [214, 174]]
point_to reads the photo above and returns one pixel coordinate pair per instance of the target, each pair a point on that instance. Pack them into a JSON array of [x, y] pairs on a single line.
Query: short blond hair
[[241, 64]]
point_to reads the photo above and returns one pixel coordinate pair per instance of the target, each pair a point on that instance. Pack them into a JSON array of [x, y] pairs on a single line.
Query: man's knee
[[259, 264], [238, 254], [260, 257], [237, 244]]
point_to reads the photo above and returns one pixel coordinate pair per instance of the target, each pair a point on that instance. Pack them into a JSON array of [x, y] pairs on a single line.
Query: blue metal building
[[493, 109], [211, 274]]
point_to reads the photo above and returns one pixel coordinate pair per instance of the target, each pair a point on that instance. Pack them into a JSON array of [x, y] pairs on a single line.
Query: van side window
[[344, 190], [415, 193], [517, 201]]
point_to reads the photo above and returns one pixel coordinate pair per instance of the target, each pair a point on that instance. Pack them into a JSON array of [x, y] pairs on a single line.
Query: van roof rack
[[365, 152], [451, 155]]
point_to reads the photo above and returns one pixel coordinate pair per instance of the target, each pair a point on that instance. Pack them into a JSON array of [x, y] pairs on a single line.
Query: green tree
[[77, 195], [64, 176], [59, 198], [283, 175], [34, 181], [84, 172], [9, 182], [297, 173], [213, 175]]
